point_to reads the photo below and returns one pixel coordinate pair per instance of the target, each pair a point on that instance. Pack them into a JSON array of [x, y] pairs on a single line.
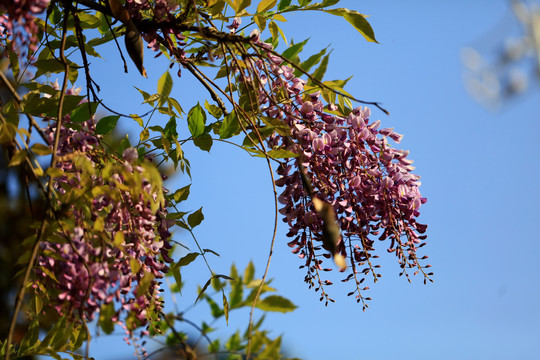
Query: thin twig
[[213, 94]]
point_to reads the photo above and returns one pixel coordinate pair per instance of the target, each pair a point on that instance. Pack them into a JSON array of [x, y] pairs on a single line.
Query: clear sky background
[[480, 172]]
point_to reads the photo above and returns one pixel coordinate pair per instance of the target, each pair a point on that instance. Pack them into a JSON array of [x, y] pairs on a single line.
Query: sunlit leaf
[[196, 120], [230, 126], [138, 119], [41, 149], [321, 70], [357, 20], [181, 194], [276, 303], [265, 5], [165, 84], [19, 157], [249, 273], [226, 309]]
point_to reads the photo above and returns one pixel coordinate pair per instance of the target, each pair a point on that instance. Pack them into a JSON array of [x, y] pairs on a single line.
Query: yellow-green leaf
[[18, 158], [226, 309], [260, 21], [7, 132], [165, 84], [144, 283], [265, 5], [145, 134], [41, 149], [276, 303], [137, 118], [357, 20]]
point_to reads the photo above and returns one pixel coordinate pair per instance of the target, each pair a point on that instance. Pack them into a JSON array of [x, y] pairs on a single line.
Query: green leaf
[[35, 105], [7, 132], [214, 346], [273, 29], [41, 149], [210, 251], [144, 135], [241, 5], [214, 110], [176, 106], [311, 61], [215, 309], [278, 125], [170, 128], [276, 303], [271, 350], [124, 144], [279, 154], [104, 25], [326, 3], [165, 84], [234, 343], [56, 329], [88, 21], [226, 308], [45, 66], [292, 52], [204, 289], [36, 304], [265, 5], [195, 218], [237, 293], [31, 337], [283, 4], [357, 20], [105, 315], [204, 142], [252, 139], [14, 62], [84, 112], [260, 21], [178, 279], [187, 259], [321, 70], [60, 342], [230, 126], [107, 124], [249, 272], [144, 283], [19, 157], [138, 119], [181, 194], [196, 120], [81, 337]]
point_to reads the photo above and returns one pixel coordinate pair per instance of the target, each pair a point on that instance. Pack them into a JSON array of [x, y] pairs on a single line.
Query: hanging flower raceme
[[110, 245], [18, 22], [347, 171]]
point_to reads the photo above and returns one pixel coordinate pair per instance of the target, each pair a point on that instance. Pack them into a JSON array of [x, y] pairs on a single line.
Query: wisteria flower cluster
[[114, 247], [346, 161], [162, 11], [18, 22]]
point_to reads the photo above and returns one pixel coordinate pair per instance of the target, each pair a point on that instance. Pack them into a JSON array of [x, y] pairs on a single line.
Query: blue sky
[[479, 172]]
